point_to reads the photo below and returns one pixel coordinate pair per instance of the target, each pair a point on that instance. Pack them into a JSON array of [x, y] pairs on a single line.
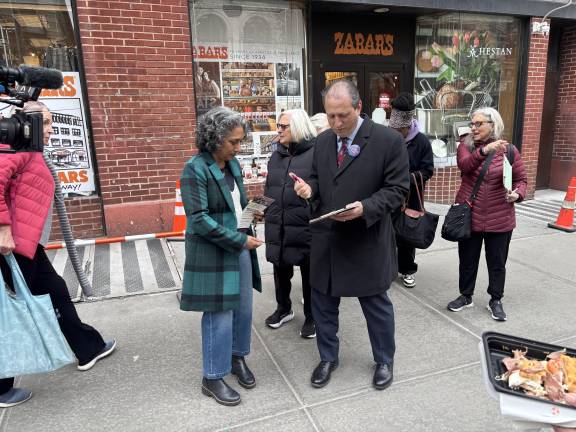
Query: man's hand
[[356, 212], [252, 243], [302, 189], [6, 241]]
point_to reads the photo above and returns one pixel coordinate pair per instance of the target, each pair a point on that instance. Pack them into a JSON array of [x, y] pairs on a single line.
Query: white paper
[[258, 204], [507, 173]]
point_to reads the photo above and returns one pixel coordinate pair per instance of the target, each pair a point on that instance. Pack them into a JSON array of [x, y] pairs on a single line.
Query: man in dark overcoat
[[363, 166]]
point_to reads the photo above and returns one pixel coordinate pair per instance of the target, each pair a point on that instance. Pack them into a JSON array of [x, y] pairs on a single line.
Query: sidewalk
[[152, 383]]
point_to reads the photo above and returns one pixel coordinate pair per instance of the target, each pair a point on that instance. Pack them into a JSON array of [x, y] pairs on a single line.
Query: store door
[[377, 84]]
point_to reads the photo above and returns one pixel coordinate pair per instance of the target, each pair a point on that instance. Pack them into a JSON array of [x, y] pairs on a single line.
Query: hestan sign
[[363, 44], [488, 52]]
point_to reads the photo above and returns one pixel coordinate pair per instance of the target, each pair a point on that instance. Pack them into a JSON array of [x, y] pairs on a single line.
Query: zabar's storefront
[[139, 74]]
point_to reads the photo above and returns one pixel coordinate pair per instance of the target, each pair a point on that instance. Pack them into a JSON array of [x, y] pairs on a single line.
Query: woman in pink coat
[[26, 195], [493, 216]]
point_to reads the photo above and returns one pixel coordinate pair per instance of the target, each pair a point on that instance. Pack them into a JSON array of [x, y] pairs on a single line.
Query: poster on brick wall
[[69, 146]]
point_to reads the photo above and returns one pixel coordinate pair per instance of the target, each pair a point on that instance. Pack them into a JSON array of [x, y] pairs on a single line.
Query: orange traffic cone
[[179, 221], [565, 221]]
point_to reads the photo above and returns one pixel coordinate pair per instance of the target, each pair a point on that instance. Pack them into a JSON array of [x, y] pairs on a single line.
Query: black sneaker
[[495, 307], [278, 318], [308, 329], [460, 303]]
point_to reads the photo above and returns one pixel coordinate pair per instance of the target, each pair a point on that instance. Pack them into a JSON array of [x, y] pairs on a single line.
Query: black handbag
[[457, 224], [415, 228]]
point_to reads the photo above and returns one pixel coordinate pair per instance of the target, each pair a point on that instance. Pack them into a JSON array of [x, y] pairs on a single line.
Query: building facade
[[138, 73]]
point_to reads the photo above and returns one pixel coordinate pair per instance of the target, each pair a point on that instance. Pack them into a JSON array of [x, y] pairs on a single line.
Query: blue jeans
[[228, 333]]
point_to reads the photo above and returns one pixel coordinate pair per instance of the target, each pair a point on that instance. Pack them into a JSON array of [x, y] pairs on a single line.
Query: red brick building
[[141, 66]]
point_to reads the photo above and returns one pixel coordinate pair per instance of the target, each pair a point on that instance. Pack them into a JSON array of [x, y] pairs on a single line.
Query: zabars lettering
[[210, 52], [73, 176], [360, 44]]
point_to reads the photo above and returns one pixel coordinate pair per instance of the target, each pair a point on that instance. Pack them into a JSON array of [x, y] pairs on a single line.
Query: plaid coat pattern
[[213, 244]]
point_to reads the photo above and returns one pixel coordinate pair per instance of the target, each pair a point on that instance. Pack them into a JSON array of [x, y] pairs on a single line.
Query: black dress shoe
[[382, 376], [245, 376], [321, 374], [219, 390]]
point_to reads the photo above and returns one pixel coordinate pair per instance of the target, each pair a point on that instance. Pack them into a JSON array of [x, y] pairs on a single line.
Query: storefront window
[[252, 64], [464, 62], [41, 33]]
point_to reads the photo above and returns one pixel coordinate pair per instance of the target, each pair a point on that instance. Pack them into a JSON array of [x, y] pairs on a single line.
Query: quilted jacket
[[490, 211], [26, 194]]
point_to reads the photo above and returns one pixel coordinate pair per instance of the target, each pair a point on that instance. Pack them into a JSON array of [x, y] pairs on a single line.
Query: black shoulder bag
[[415, 228], [457, 224]]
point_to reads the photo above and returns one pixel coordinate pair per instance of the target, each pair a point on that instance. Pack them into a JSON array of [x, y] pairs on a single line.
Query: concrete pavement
[[152, 382]]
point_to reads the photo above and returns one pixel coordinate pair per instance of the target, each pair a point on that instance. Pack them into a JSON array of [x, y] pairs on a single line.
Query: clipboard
[[329, 215]]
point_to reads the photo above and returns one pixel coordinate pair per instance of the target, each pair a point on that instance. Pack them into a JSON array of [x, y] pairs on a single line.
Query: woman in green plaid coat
[[221, 267]]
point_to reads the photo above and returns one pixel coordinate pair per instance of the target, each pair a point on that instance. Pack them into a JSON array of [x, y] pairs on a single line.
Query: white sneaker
[[408, 281]]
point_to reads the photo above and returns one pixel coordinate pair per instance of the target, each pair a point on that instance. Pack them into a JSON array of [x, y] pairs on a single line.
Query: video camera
[[24, 131]]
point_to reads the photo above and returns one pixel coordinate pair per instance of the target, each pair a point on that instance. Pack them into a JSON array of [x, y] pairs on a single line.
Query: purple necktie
[[342, 151]]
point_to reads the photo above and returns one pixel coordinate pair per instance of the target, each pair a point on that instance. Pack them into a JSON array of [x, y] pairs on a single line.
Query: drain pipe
[[67, 231]]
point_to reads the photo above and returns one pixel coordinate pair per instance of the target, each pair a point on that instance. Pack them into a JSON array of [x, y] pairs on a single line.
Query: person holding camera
[[26, 197]]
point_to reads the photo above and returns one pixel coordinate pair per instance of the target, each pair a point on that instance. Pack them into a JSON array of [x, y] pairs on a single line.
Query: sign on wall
[[69, 148]]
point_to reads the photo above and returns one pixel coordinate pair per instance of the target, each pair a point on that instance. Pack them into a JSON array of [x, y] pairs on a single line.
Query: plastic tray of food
[[498, 346]]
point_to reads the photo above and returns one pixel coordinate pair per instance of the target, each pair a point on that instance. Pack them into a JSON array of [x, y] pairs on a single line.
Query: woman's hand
[[252, 243], [6, 240], [498, 145], [512, 196], [302, 189]]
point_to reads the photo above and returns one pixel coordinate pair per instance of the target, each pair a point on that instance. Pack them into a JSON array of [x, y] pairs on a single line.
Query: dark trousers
[[406, 256], [379, 314], [282, 277], [41, 278], [496, 248]]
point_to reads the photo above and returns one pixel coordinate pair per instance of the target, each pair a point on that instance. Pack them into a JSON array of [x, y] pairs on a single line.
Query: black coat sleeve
[[425, 163], [395, 184]]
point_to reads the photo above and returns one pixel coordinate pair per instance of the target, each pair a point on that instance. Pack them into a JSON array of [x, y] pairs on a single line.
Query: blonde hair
[[496, 119], [301, 128], [320, 122]]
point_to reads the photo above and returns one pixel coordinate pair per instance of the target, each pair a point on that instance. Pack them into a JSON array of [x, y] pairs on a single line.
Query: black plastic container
[[498, 346]]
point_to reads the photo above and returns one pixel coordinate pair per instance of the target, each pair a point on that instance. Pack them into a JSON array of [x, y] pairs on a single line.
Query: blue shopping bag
[[30, 338]]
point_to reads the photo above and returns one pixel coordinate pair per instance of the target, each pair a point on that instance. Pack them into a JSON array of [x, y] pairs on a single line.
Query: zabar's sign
[[210, 52], [363, 44]]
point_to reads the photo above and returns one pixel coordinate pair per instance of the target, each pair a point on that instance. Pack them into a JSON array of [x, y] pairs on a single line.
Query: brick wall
[[563, 165], [537, 62], [138, 65], [85, 216]]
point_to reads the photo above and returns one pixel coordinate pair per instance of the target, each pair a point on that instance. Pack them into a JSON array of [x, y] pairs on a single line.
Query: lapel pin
[[354, 150]]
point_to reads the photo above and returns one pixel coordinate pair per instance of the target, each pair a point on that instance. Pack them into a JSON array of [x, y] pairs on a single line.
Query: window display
[[257, 70], [463, 62]]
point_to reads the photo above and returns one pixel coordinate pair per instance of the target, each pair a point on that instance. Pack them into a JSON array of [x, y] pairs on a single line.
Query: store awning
[[537, 8]]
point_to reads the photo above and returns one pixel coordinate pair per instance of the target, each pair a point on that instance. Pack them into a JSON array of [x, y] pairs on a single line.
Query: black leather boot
[[382, 376], [219, 390], [321, 374], [245, 376]]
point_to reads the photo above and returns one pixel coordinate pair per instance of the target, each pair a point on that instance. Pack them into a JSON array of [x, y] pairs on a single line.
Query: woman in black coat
[[421, 165], [286, 225]]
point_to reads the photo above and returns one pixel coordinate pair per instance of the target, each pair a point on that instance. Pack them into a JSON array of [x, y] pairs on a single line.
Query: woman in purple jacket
[[493, 216]]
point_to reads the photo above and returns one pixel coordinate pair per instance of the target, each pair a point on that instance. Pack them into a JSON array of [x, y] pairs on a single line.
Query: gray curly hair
[[214, 126]]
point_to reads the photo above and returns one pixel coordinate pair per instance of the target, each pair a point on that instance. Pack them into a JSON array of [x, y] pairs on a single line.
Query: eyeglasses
[[281, 126], [478, 124]]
